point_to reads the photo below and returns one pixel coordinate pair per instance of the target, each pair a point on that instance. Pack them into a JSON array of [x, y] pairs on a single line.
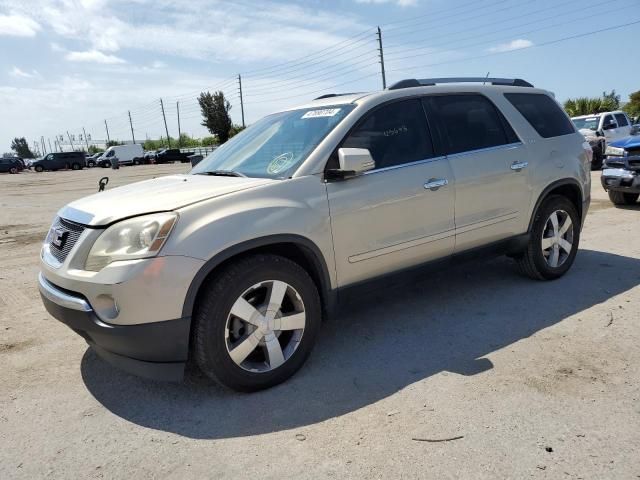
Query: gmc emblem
[[59, 237]]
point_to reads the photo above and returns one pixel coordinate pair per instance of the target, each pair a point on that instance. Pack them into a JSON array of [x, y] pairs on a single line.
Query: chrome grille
[[72, 232]]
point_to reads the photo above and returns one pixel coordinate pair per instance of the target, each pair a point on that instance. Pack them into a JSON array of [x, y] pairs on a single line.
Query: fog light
[[106, 307]]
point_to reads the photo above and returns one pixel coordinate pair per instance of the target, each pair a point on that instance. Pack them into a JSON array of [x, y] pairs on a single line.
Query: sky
[[66, 65]]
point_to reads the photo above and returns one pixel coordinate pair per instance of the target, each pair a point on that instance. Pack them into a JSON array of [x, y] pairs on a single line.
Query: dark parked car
[[172, 155], [92, 160], [60, 160], [11, 165], [149, 157]]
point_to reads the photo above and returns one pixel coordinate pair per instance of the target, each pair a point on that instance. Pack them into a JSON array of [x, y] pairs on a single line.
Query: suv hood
[[632, 141], [156, 195]]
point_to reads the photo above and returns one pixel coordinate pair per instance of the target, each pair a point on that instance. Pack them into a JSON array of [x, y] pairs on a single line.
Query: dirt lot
[[539, 379]]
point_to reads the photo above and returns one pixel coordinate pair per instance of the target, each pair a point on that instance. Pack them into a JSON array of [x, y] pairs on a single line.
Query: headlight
[[617, 151], [138, 237]]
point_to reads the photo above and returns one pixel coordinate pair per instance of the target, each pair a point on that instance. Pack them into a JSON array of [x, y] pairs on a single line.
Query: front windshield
[[590, 123], [275, 146]]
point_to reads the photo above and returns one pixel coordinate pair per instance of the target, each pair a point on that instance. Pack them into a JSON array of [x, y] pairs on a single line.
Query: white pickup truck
[[601, 128]]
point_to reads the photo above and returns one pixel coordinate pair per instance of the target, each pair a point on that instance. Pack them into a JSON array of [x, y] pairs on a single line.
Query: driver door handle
[[435, 183], [517, 166]]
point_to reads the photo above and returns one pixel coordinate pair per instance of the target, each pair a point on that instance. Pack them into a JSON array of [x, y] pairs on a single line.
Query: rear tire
[[551, 249], [276, 336], [622, 198], [13, 170], [75, 166]]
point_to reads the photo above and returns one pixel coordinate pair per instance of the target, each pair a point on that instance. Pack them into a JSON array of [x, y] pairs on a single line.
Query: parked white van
[[126, 155]]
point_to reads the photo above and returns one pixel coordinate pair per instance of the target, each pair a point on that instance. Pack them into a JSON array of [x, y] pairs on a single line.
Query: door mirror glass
[[608, 125]]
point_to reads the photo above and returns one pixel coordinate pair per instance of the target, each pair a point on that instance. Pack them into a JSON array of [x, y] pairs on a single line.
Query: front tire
[[39, 168], [75, 166], [622, 198], [256, 322], [553, 242]]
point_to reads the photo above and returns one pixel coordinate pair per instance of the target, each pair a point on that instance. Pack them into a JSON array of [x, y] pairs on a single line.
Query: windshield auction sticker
[[325, 112]]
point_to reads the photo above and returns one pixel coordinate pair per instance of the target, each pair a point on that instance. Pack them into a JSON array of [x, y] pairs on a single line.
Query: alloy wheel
[[557, 238], [265, 326]]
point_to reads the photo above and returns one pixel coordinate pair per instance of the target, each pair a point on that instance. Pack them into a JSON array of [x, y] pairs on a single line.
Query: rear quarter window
[[542, 112]]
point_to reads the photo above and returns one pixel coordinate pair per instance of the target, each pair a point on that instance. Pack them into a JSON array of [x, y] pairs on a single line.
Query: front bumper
[[621, 174], [157, 350]]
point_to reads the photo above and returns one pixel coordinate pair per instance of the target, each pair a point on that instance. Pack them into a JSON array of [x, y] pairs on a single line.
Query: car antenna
[[102, 183]]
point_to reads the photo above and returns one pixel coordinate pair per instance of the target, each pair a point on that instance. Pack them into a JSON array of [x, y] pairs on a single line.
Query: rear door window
[[622, 119], [394, 134], [543, 113], [468, 122]]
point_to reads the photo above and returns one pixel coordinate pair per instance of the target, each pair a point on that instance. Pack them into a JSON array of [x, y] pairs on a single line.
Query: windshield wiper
[[222, 173]]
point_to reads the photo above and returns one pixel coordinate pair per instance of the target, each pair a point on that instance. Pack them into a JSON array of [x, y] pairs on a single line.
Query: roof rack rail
[[429, 82], [329, 95]]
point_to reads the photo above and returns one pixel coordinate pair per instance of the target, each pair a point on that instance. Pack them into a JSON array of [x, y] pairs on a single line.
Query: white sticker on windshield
[[325, 112]]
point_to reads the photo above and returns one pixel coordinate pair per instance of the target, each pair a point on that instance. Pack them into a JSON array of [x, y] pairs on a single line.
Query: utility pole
[[70, 141], [43, 147], [131, 125], [179, 133], [384, 77], [49, 140], [241, 102], [85, 139], [108, 139], [166, 129]]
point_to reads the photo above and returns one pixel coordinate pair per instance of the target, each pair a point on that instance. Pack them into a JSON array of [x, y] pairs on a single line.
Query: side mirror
[[609, 126], [353, 162], [635, 130], [599, 133]]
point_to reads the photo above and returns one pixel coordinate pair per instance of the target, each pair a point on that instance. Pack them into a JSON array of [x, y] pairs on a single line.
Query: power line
[[403, 47], [253, 91], [475, 43], [551, 42], [365, 42], [312, 56], [439, 21]]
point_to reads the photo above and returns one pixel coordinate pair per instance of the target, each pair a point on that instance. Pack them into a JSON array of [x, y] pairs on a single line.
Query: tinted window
[[609, 120], [469, 122], [543, 113], [622, 120], [394, 134]]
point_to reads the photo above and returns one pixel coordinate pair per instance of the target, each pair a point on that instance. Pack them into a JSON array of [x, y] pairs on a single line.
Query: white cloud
[[18, 26], [257, 30], [400, 3], [18, 73], [94, 56], [512, 45]]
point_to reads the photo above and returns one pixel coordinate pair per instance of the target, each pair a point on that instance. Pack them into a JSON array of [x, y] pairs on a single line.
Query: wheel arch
[[567, 187], [294, 247]]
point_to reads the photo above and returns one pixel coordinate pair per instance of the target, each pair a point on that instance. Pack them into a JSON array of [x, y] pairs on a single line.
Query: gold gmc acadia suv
[[234, 265]]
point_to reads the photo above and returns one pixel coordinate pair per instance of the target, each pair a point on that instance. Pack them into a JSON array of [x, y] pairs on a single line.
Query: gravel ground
[[527, 379]]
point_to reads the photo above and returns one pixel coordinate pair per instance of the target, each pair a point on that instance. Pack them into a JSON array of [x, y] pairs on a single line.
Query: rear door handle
[[517, 166], [435, 183]]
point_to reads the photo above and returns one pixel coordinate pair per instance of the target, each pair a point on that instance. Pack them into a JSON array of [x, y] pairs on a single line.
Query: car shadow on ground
[[446, 322]]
